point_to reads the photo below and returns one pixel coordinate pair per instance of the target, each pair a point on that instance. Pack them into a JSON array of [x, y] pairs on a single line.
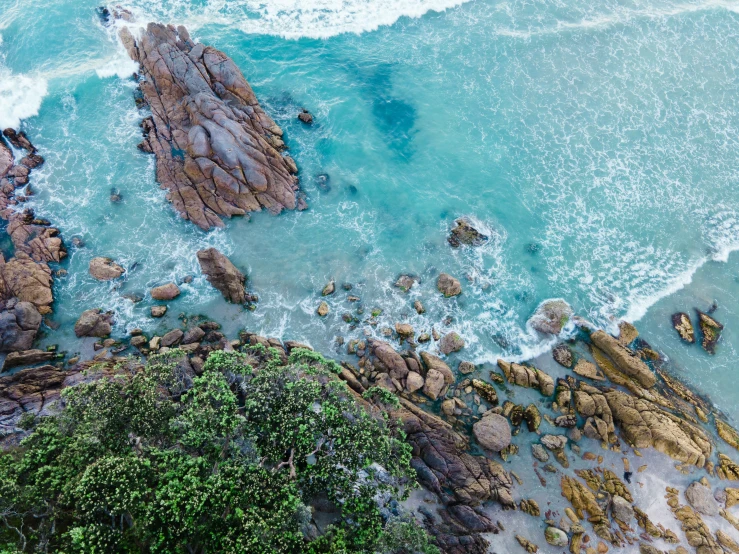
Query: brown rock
[[94, 323], [170, 291], [451, 342], [551, 316], [105, 269], [158, 311], [493, 432], [727, 433], [711, 330], [19, 323], [28, 281], [223, 275], [217, 150], [448, 285]]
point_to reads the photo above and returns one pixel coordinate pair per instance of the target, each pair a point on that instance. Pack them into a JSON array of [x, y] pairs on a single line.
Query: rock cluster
[[527, 376], [25, 279], [217, 151]]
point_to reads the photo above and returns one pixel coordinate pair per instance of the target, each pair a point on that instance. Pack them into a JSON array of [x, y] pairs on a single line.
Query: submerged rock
[[94, 323], [223, 275], [448, 285], [105, 269], [217, 150], [711, 331], [551, 316], [306, 117], [405, 282], [465, 233]]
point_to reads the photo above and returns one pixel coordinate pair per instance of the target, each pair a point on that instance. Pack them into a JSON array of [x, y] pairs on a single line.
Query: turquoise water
[[596, 145]]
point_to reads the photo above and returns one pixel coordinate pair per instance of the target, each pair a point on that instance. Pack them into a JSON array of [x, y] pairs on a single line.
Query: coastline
[[596, 427]]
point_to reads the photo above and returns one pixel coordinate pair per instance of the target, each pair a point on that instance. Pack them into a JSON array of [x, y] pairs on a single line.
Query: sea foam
[[290, 18], [20, 96]]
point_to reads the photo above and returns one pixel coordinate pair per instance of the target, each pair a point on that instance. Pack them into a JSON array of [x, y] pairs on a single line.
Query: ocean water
[[595, 143]]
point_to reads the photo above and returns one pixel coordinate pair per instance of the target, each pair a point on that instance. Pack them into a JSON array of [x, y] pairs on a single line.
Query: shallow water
[[596, 145]]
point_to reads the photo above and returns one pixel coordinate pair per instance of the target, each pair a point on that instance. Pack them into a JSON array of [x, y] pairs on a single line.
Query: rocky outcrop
[[696, 531], [223, 275], [26, 358], [105, 269], [551, 316], [682, 324], [626, 360], [218, 152], [94, 323], [727, 433], [465, 233], [527, 376], [35, 392]]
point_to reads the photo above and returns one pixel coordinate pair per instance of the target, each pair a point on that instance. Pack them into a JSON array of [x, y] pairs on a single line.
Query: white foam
[[20, 97], [290, 18]]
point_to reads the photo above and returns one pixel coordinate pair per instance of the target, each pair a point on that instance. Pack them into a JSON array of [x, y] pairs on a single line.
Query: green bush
[[159, 460]]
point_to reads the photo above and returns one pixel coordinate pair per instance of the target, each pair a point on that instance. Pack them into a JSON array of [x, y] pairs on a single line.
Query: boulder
[[554, 442], [493, 432], [173, 338], [94, 323], [540, 453], [223, 275], [19, 324], [448, 285], [193, 335], [414, 382], [26, 280], [700, 497], [587, 369], [465, 368], [434, 384], [622, 509], [465, 233], [451, 342], [551, 316], [682, 324], [158, 311], [306, 117], [556, 537], [217, 151], [169, 291], [105, 269], [434, 362], [329, 289], [322, 309], [404, 330]]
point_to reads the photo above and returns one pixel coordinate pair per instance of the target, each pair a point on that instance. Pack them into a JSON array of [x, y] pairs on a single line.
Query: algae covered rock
[[551, 316], [451, 342], [465, 233], [711, 330], [448, 285]]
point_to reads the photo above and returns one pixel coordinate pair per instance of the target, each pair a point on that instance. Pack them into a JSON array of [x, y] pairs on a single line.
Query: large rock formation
[[94, 323], [626, 360], [217, 150], [19, 323], [223, 275]]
